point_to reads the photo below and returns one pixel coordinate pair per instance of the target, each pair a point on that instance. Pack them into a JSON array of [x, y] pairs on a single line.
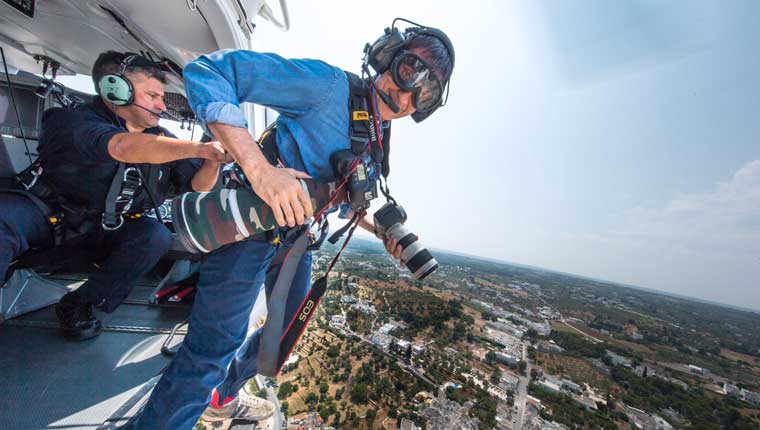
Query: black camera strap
[[273, 354], [269, 357], [364, 124]]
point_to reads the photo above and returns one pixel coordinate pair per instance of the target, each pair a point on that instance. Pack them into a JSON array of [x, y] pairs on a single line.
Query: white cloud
[[704, 245], [724, 220]]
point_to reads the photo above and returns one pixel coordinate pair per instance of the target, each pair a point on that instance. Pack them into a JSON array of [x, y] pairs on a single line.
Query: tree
[[333, 351], [323, 387], [323, 412], [370, 416], [359, 393], [311, 398], [521, 366], [490, 357], [533, 374], [496, 375], [284, 407], [284, 391]]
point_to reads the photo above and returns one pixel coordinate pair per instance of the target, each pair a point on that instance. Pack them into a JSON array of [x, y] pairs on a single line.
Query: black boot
[[76, 319]]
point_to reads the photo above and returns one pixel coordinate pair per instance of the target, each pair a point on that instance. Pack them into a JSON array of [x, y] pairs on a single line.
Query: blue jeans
[[243, 367], [215, 352], [130, 252]]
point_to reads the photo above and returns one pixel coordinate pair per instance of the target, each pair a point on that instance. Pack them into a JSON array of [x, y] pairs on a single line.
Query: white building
[[381, 340], [364, 307], [418, 349], [504, 339], [338, 321], [386, 328], [741, 393], [571, 386], [292, 359], [618, 360], [507, 358], [696, 369], [403, 345], [542, 328], [408, 425], [509, 381], [498, 392]]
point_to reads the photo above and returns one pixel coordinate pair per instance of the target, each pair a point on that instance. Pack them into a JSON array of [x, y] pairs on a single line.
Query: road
[[592, 338], [522, 393], [400, 362]]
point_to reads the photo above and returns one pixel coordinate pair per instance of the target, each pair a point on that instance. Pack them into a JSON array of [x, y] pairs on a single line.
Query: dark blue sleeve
[[183, 172], [90, 137]]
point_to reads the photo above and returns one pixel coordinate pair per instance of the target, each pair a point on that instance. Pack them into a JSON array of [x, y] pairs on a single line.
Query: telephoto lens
[[389, 223]]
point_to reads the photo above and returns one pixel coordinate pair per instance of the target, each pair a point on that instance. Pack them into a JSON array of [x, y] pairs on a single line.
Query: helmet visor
[[412, 73]]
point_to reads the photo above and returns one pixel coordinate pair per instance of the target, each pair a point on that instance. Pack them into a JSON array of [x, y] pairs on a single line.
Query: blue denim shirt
[[311, 97]]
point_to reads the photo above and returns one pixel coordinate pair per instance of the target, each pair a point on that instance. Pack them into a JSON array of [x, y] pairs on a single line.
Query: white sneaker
[[245, 407]]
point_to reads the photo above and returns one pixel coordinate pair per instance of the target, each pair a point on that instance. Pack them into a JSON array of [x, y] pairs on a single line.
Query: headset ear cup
[[116, 89], [384, 49]]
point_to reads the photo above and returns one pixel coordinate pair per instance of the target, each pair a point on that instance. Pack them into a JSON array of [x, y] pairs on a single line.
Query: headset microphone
[[386, 98], [161, 114]]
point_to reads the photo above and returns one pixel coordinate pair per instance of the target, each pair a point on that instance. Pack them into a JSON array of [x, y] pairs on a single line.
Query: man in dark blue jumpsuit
[[80, 152]]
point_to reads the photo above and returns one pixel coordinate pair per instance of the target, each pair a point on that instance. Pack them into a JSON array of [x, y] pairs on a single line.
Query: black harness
[[121, 195], [279, 337]]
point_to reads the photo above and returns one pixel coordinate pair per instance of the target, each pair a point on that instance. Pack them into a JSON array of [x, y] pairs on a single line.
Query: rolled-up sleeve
[[216, 85], [90, 137]]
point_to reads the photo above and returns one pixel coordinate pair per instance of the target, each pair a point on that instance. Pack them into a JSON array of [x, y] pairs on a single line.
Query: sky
[[614, 140]]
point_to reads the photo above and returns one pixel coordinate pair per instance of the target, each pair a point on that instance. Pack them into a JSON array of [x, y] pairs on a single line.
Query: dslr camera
[[389, 223]]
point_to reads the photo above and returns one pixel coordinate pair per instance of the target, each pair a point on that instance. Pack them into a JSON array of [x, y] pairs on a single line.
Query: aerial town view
[[203, 226], [486, 345]]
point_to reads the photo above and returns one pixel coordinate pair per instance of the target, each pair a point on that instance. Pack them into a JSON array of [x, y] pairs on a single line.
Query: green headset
[[117, 88]]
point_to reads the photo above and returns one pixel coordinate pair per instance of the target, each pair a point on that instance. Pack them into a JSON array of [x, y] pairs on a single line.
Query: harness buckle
[[131, 182], [107, 227], [36, 173]]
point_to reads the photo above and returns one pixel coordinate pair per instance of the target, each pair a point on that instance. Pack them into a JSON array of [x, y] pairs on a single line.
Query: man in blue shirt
[[312, 99], [80, 152]]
